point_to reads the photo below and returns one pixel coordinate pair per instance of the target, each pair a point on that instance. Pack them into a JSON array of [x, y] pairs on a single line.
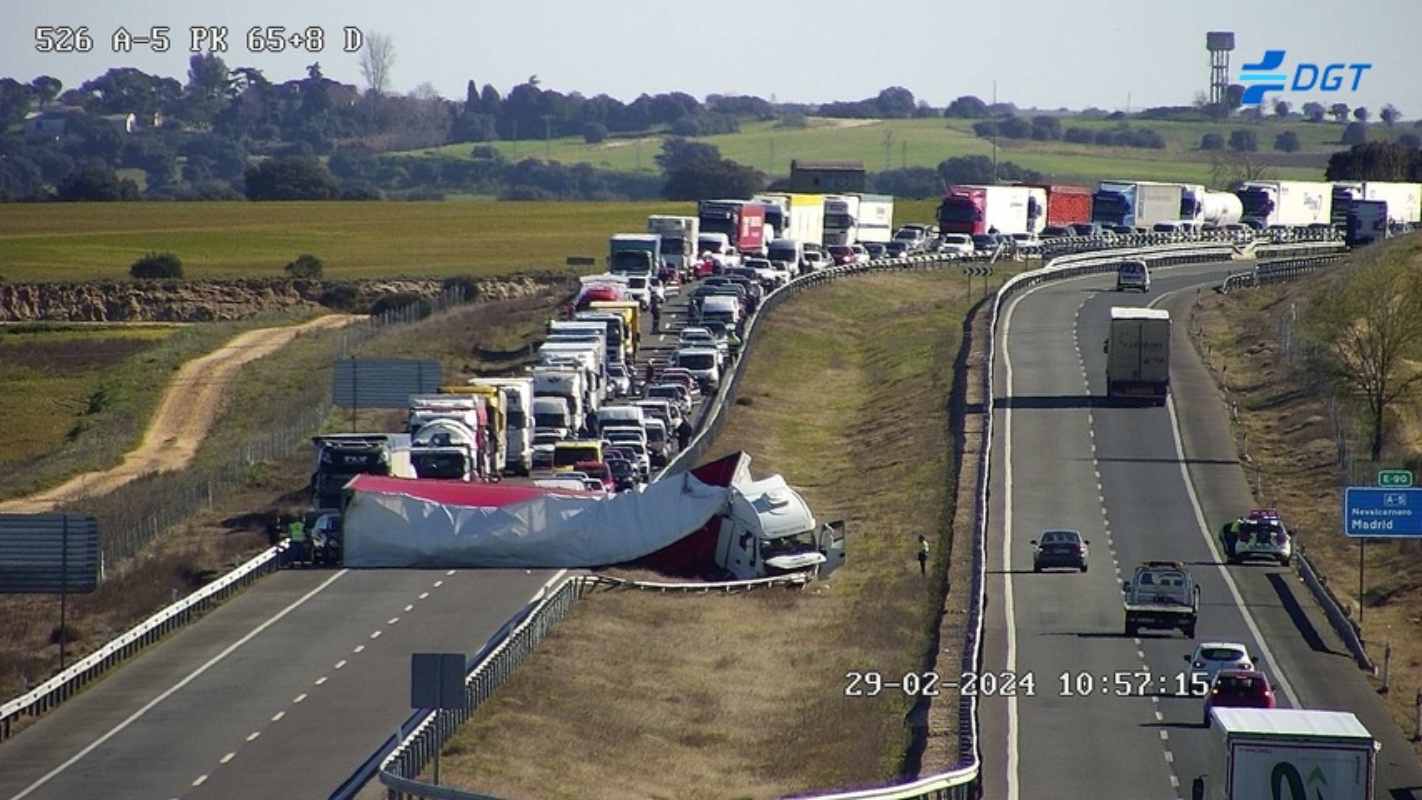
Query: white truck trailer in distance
[[679, 235], [841, 219], [1267, 753], [1289, 203], [875, 222]]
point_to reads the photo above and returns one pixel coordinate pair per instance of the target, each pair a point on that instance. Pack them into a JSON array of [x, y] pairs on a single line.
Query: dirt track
[[186, 412]]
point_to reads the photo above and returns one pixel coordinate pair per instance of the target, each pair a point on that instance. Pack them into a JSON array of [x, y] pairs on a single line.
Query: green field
[[925, 142], [83, 241]]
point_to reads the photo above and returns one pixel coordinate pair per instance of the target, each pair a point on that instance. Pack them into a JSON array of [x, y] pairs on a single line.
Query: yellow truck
[[631, 311], [566, 455], [498, 421]]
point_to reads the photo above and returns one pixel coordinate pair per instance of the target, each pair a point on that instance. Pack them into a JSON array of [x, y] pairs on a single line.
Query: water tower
[[1219, 43]]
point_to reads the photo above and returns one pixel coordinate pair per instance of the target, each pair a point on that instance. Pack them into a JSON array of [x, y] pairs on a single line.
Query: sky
[[1041, 53]]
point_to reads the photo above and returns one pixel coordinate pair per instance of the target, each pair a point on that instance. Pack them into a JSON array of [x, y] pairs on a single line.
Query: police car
[[1260, 534]]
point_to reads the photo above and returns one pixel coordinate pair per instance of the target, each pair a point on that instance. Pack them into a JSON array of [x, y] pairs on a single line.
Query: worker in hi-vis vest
[[296, 531]]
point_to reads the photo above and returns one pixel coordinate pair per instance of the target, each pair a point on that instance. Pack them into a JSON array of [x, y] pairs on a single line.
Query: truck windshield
[[958, 209], [568, 456], [719, 222], [673, 247], [438, 465], [839, 221], [782, 254], [550, 421], [516, 419], [1257, 203]]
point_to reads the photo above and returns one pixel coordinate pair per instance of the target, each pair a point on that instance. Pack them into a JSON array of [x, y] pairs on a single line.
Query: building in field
[[827, 177]]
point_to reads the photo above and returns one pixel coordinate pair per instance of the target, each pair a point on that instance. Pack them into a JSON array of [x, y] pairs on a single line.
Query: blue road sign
[[1382, 513]]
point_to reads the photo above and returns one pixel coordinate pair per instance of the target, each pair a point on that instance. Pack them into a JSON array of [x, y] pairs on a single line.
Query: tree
[[46, 88], [290, 178], [1015, 128], [594, 133], [966, 106], [1313, 112], [1046, 128], [722, 178], [15, 101], [1243, 140], [1374, 161], [1361, 113], [377, 60], [679, 154], [208, 89], [1368, 327], [910, 182], [1390, 115], [1410, 140], [895, 102], [305, 266], [1229, 169], [1077, 135], [1212, 141], [155, 266], [1282, 108], [1287, 142], [1339, 112], [1355, 133], [96, 184]]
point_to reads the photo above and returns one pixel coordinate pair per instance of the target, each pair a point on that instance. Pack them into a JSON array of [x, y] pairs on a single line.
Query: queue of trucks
[[1123, 206]]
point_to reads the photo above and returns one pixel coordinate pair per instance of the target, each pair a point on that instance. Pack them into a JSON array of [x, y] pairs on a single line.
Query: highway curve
[[186, 412], [1062, 458], [281, 692]]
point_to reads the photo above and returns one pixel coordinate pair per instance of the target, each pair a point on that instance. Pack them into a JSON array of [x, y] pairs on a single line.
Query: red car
[[1239, 688], [842, 254], [599, 471], [705, 268], [595, 293]]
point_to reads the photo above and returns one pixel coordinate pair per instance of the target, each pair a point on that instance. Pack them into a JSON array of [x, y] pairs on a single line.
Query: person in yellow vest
[[296, 531]]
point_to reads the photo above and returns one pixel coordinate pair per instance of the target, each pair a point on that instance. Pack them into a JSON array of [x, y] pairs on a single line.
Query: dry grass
[[1284, 425], [640, 695]]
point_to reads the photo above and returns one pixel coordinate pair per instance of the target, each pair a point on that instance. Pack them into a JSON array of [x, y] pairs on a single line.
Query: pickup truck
[[1161, 594]]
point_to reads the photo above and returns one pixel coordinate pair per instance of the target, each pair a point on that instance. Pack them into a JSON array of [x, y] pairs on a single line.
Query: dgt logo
[[1265, 76]]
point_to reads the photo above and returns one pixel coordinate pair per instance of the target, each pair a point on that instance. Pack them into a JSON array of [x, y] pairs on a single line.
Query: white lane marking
[[1159, 717], [1140, 654], [358, 648], [227, 758], [1169, 757], [277, 716], [1137, 641], [424, 595], [1155, 700], [201, 779], [392, 620], [1174, 782], [438, 584], [320, 680], [1204, 528], [340, 664], [1010, 663], [451, 572], [1165, 736], [192, 676], [375, 635], [299, 698], [409, 608]]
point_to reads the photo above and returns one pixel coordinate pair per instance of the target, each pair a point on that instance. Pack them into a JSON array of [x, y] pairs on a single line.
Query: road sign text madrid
[[1382, 512]]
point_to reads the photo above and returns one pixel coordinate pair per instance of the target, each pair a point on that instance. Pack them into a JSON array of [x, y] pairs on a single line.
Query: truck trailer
[[1289, 203], [1066, 205], [1138, 354], [1136, 204], [742, 221], [974, 209], [1204, 207], [1266, 753], [875, 221], [1404, 200], [807, 219], [518, 416]]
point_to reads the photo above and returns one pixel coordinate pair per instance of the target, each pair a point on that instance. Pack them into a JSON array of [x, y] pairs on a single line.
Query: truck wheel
[[1083, 566]]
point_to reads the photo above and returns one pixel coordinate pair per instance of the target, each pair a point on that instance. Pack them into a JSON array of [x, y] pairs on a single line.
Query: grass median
[[651, 695], [1253, 341]]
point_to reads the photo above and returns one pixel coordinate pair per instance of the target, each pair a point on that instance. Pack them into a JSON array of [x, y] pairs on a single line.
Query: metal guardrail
[[1347, 629], [399, 769], [1279, 269], [72, 680]]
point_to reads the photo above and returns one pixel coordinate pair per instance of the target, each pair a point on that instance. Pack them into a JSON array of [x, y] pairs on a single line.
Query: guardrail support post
[[1386, 669]]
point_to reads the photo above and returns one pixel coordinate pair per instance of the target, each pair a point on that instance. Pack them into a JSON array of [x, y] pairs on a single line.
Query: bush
[[1078, 135], [305, 266], [1287, 142], [1243, 141], [154, 266], [1410, 140], [486, 152], [1212, 141], [401, 301], [1104, 138], [594, 133], [793, 120], [686, 126], [290, 178], [1016, 128], [1355, 133], [341, 296], [985, 130]]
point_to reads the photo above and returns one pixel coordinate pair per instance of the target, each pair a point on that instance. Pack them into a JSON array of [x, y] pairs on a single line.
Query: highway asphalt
[[281, 692], [1063, 458]]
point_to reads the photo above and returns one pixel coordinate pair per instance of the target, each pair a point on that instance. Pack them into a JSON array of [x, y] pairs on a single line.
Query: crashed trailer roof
[[1124, 312], [456, 493]]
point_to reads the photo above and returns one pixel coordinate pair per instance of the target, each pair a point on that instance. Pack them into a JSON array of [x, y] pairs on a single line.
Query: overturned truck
[[715, 521]]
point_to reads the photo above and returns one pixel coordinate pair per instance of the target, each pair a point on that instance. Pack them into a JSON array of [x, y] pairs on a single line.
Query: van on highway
[[1133, 275]]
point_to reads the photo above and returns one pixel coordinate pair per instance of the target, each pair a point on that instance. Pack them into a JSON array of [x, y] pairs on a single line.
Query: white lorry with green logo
[[1288, 754]]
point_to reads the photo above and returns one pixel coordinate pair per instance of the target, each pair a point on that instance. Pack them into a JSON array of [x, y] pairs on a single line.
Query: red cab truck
[[1067, 205], [741, 220], [974, 209]]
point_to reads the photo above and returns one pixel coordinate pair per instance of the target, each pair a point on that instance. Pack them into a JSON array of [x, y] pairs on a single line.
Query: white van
[[622, 414], [721, 308], [703, 363], [789, 252], [1133, 275]]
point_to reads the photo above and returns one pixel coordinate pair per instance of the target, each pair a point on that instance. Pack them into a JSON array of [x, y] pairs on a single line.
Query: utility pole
[[994, 135]]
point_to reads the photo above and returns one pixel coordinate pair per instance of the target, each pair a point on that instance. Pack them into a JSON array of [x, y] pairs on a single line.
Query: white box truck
[[974, 209], [1267, 753], [1138, 354], [1404, 200], [1289, 203], [807, 219], [679, 236], [518, 433], [875, 222]]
